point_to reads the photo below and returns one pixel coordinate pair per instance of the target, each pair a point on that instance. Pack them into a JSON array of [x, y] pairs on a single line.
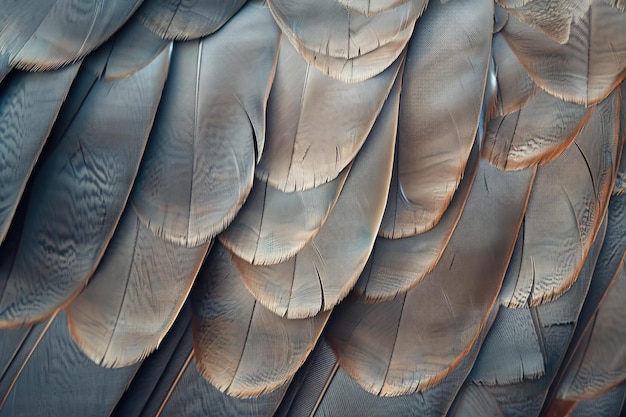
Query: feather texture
[[28, 107], [375, 343], [328, 28], [79, 194], [134, 295], [199, 165], [240, 347], [325, 270], [439, 110], [555, 245], [272, 226], [182, 20], [134, 48], [594, 65], [398, 264], [308, 144], [52, 33], [56, 360]]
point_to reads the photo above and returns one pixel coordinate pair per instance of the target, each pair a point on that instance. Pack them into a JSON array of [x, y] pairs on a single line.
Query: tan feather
[[316, 124], [553, 18], [239, 346], [415, 340], [325, 270], [440, 107], [535, 134], [199, 163]]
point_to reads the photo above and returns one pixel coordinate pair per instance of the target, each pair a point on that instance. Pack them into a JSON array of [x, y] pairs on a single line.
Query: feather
[[182, 20], [134, 48], [158, 373], [398, 264], [315, 124], [134, 295], [553, 18], [240, 347], [326, 269], [590, 374], [199, 163], [566, 207], [606, 405], [440, 107], [29, 105], [500, 16], [5, 67], [326, 27], [594, 64], [372, 7], [80, 386], [344, 394], [500, 384], [362, 67], [272, 226], [376, 343], [78, 196], [51, 33], [535, 134], [620, 180], [515, 87]]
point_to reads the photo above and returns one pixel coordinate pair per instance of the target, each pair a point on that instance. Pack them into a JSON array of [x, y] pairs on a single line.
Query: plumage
[[325, 270], [397, 265], [134, 296], [29, 106], [78, 195], [52, 33], [555, 247], [462, 158], [241, 347], [594, 66], [439, 110], [194, 142], [375, 343], [135, 47], [272, 226], [329, 28], [80, 386], [307, 144], [181, 20]]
